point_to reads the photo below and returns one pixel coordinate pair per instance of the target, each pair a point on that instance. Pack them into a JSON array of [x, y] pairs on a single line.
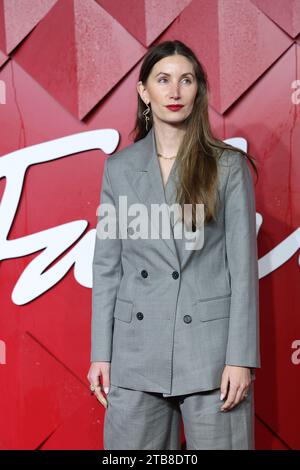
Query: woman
[[174, 321]]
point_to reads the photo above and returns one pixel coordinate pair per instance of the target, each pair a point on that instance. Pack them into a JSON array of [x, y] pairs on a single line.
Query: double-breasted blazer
[[167, 318]]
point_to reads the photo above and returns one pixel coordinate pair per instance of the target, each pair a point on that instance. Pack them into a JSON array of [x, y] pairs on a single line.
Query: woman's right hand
[[96, 371]]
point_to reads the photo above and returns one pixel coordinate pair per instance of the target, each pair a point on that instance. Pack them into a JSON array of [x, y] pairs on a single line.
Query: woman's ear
[[142, 92]]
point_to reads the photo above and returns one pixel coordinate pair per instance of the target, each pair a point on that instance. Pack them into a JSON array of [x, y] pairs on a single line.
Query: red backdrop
[[68, 67]]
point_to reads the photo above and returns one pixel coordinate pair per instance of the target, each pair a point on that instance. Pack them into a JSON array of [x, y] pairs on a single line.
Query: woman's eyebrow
[[165, 73]]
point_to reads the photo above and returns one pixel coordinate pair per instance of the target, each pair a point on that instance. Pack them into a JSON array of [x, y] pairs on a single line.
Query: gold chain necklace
[[167, 158]]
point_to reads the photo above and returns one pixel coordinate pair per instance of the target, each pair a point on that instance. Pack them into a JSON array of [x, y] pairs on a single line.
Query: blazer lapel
[[146, 180], [176, 223]]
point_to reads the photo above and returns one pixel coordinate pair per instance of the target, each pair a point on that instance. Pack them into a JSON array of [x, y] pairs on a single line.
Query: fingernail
[[222, 396], [106, 389]]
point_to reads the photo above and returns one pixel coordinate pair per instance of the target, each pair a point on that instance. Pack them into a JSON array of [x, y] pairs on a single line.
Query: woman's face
[[172, 81]]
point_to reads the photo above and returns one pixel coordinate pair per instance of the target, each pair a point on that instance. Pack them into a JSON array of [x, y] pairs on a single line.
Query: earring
[[147, 111]]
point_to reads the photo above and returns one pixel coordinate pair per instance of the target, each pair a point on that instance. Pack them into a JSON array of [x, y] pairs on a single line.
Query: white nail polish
[[106, 389], [222, 396]]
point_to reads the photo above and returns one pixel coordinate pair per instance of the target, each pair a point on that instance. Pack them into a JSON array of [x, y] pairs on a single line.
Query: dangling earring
[[147, 111]]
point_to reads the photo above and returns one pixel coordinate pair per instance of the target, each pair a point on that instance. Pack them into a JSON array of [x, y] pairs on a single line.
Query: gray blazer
[[169, 319]]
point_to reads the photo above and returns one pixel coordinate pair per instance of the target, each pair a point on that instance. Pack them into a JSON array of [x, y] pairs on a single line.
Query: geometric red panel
[[264, 434], [20, 17], [287, 16], [85, 53], [145, 19], [45, 393], [82, 430]]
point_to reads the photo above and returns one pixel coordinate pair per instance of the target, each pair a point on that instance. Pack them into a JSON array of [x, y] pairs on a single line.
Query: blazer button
[[187, 318], [175, 275], [144, 273], [140, 316]]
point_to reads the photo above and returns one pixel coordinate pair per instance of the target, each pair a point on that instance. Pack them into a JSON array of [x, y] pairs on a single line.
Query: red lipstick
[[175, 107]]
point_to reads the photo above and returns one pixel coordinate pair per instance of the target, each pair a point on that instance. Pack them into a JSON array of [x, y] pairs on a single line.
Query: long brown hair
[[199, 150]]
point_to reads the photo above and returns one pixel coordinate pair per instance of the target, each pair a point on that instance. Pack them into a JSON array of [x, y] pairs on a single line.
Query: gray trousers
[[145, 420]]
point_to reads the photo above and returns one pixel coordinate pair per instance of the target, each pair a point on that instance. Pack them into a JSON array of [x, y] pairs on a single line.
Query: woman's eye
[[189, 81]]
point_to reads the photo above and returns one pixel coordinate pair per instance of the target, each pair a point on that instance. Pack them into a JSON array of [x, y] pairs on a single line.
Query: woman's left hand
[[239, 380]]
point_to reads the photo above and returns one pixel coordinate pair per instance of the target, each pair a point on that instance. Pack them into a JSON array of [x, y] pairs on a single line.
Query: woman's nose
[[175, 93]]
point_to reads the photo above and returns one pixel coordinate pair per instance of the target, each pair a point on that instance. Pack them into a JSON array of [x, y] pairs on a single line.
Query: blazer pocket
[[123, 310], [214, 308]]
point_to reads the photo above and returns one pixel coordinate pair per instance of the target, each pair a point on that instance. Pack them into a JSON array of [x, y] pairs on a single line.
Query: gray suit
[[169, 319]]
